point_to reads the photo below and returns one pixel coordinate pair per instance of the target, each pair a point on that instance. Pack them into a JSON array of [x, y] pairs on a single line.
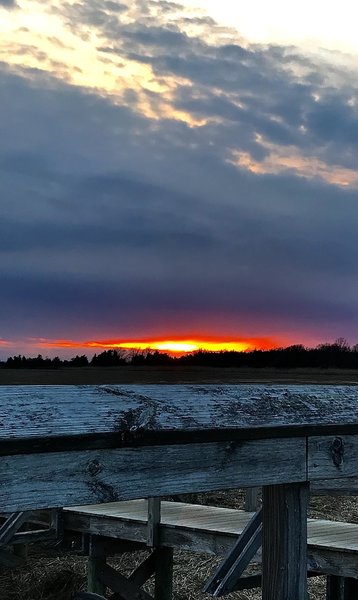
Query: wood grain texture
[[153, 521], [284, 542], [332, 546], [96, 564], [30, 482], [332, 457], [226, 575], [180, 516], [133, 411]]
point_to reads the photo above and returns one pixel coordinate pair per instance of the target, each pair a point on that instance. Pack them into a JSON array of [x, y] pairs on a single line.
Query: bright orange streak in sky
[[170, 345]]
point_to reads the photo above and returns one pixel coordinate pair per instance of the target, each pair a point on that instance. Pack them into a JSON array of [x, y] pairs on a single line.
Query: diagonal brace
[[226, 576], [11, 525]]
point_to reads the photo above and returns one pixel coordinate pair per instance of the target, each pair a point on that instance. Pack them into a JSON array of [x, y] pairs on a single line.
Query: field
[[172, 375], [52, 572]]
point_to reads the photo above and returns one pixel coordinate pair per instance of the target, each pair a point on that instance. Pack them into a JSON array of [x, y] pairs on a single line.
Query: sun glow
[[171, 345]]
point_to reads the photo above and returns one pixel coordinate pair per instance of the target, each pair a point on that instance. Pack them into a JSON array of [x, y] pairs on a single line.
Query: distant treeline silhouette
[[337, 355]]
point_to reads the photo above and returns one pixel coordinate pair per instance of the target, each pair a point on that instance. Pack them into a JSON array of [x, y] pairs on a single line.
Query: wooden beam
[[335, 588], [237, 560], [284, 547], [331, 457], [346, 486], [341, 588], [164, 574], [41, 480], [153, 522], [11, 525], [126, 589], [96, 565], [33, 536], [251, 499], [145, 570], [60, 418]]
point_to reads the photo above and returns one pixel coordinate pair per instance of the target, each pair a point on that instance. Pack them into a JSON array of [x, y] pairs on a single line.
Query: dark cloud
[[8, 3], [271, 91]]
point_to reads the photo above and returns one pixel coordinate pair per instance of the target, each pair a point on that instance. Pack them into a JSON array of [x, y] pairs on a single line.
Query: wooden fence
[[68, 445]]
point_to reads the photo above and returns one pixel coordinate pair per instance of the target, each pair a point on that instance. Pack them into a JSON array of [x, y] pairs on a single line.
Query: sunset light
[[177, 177], [181, 346], [172, 346]]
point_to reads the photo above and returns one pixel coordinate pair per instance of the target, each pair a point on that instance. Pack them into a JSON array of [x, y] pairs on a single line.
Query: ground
[[52, 573], [215, 375]]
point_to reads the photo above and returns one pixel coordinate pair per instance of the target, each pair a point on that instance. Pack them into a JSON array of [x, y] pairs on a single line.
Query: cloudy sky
[[178, 170]]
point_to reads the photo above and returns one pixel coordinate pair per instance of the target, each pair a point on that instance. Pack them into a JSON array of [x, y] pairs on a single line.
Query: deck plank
[[212, 519]]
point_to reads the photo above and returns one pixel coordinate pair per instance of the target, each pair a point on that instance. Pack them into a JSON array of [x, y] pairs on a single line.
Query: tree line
[[337, 355]]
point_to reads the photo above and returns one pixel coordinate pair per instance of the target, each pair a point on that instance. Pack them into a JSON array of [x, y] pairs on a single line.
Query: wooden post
[[341, 588], [284, 542], [154, 510], [96, 565], [251, 501], [164, 574]]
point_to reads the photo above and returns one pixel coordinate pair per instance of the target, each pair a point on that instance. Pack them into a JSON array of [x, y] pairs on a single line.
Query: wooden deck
[[199, 528], [74, 446]]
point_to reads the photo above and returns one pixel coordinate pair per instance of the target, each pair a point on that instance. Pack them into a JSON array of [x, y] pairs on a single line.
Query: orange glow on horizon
[[171, 345]]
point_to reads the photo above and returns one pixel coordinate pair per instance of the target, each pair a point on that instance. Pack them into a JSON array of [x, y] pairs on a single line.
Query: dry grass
[[52, 574], [170, 375]]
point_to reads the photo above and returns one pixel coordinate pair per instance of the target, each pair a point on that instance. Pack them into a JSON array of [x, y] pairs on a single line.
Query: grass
[[171, 375]]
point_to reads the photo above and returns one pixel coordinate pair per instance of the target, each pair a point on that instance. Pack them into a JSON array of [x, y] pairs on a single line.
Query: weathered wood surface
[[67, 478], [96, 565], [332, 546], [121, 519], [126, 589], [11, 525], [284, 542], [228, 573], [134, 413], [332, 456], [153, 521], [347, 486]]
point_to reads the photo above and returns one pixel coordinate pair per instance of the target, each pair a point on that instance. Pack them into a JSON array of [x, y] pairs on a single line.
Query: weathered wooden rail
[[66, 445]]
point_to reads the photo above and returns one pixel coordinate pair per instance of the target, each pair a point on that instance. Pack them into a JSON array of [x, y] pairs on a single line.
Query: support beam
[[96, 566], [164, 574], [251, 499], [153, 522], [11, 525], [123, 588], [284, 545], [144, 571], [341, 588], [226, 576]]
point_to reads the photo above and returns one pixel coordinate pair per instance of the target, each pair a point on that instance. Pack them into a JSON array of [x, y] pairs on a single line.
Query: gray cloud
[[8, 3], [112, 222]]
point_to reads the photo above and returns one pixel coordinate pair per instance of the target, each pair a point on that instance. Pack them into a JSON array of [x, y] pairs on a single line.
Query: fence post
[[284, 542]]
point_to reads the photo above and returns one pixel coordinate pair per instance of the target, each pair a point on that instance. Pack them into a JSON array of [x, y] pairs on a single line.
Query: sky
[[177, 171]]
